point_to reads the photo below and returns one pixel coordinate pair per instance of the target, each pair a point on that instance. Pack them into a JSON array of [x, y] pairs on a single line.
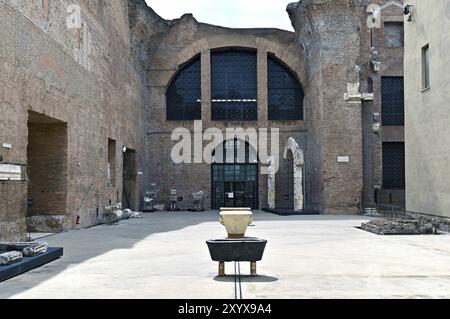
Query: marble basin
[[236, 221]]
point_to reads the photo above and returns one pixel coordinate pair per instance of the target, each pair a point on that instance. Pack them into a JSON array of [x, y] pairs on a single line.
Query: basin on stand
[[236, 247]]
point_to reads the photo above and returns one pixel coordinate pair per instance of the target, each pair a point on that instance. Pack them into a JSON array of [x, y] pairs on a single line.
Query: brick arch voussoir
[[282, 53]]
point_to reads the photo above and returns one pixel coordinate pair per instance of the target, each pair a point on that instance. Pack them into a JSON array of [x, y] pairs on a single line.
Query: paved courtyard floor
[[164, 255]]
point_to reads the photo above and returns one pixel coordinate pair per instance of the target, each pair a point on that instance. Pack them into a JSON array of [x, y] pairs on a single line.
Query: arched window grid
[[183, 97], [285, 94], [234, 89]]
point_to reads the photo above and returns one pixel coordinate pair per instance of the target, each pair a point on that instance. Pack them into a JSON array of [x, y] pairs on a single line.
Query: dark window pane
[[285, 93], [393, 34], [393, 165], [392, 101], [234, 86], [184, 94], [426, 67]]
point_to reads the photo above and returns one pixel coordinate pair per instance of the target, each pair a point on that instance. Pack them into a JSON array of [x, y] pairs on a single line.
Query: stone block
[[48, 224]]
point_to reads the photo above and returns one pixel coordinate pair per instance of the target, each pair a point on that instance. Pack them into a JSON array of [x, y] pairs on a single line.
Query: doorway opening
[[47, 171], [234, 181], [129, 180], [284, 190]]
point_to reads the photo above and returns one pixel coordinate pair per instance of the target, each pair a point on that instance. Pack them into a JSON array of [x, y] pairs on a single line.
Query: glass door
[[234, 185]]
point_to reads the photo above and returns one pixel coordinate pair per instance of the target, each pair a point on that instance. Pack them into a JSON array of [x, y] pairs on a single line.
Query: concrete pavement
[[164, 255]]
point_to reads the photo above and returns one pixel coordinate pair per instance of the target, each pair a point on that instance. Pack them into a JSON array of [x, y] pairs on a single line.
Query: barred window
[[392, 101], [183, 97], [285, 92], [234, 85], [394, 165]]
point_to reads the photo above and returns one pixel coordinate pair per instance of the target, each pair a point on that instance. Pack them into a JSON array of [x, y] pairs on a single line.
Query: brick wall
[[47, 168], [86, 78]]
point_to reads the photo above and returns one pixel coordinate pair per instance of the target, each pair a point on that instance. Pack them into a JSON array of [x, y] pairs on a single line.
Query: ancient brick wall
[[184, 39], [340, 46], [47, 168], [84, 77], [323, 30], [389, 50], [107, 80]]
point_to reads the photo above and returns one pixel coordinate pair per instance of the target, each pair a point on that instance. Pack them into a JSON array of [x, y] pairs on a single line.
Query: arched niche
[[292, 156], [298, 163]]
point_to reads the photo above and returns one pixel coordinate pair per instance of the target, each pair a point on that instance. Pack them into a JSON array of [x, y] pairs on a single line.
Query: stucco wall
[[427, 112]]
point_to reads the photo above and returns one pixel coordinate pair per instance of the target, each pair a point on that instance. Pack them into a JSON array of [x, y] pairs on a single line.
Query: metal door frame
[[256, 183]]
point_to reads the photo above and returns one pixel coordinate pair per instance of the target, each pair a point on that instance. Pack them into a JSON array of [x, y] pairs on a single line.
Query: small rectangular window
[[426, 67], [111, 169], [393, 34], [393, 165], [392, 101]]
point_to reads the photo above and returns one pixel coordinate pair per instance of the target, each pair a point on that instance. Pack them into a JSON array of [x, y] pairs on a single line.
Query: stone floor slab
[[164, 255]]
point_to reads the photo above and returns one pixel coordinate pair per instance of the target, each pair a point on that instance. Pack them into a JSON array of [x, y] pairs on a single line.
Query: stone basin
[[245, 249], [236, 221]]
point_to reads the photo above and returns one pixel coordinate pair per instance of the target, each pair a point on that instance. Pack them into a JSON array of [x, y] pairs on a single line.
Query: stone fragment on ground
[[118, 215], [399, 226], [28, 249], [10, 258]]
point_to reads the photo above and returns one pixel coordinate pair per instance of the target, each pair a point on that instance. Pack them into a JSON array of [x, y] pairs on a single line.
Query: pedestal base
[[252, 269]]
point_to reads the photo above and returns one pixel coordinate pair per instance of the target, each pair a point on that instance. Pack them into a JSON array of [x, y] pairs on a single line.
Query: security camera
[[407, 11]]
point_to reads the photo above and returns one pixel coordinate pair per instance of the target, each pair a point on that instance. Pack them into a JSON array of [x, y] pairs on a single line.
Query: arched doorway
[[285, 187], [284, 190], [297, 164], [234, 178]]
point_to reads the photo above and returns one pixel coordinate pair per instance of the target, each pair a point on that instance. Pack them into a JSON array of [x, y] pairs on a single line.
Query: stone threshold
[[288, 212]]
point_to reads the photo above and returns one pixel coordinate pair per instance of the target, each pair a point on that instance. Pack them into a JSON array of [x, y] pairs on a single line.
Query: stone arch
[[291, 148], [297, 152], [281, 52], [180, 69], [253, 148]]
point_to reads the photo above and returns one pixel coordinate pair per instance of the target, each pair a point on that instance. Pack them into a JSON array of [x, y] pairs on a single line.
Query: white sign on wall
[[343, 159], [10, 172]]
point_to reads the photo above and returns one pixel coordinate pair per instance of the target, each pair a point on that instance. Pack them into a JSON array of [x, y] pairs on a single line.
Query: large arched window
[[183, 97], [234, 86], [285, 92]]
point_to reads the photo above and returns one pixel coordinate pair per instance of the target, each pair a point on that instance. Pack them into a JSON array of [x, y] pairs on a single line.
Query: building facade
[[352, 150], [427, 91], [89, 113]]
